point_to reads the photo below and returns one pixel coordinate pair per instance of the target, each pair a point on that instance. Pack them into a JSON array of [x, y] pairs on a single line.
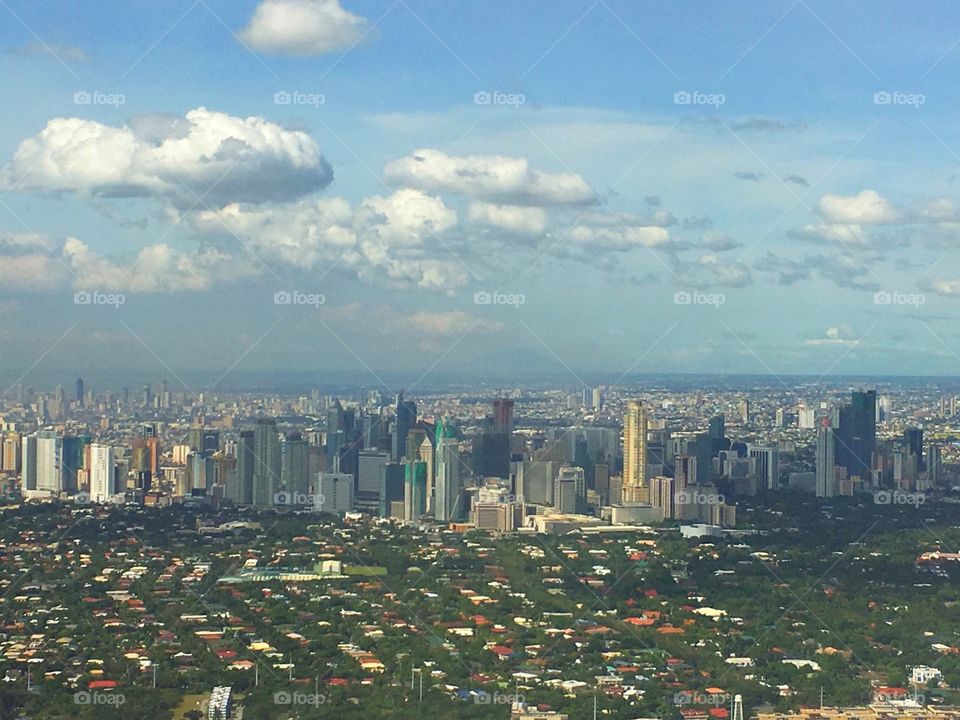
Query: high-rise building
[[745, 411], [79, 395], [913, 440], [503, 416], [12, 453], [569, 493], [243, 494], [28, 463], [826, 460], [414, 489], [404, 419], [806, 417], [634, 452], [767, 464], [336, 493], [293, 467], [266, 462], [103, 473], [371, 481], [447, 484], [663, 495], [50, 461], [857, 434]]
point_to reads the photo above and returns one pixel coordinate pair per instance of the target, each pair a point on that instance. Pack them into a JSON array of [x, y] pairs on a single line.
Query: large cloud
[[155, 268], [303, 27], [487, 177], [394, 238], [206, 157], [511, 218], [867, 207]]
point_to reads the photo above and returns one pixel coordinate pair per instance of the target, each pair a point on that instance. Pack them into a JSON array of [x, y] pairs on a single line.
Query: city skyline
[[373, 187]]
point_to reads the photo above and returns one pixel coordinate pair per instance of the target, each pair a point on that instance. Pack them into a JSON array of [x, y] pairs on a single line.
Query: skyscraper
[[745, 411], [414, 489], [79, 394], [103, 473], [405, 418], [336, 493], [857, 434], [371, 481], [913, 439], [49, 461], [826, 462], [634, 452], [569, 493], [245, 466], [503, 416], [447, 484], [293, 467], [28, 463], [266, 461], [768, 464]]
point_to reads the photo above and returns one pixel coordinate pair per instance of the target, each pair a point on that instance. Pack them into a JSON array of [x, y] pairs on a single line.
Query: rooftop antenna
[[738, 707]]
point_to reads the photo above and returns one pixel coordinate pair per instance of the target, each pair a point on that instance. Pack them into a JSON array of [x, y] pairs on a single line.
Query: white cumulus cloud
[[303, 27], [206, 157], [487, 177], [867, 207], [512, 218]]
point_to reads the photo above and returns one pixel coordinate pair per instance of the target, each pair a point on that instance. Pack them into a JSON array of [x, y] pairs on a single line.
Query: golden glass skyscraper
[[635, 453]]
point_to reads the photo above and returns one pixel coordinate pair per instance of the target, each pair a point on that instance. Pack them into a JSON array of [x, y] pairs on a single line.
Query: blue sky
[[803, 201]]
